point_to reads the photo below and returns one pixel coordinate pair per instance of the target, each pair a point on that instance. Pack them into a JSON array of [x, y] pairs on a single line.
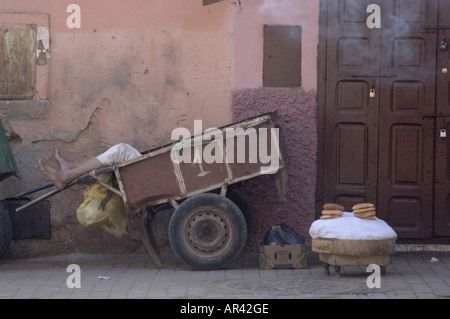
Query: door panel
[[406, 138], [380, 147], [442, 174], [351, 137], [350, 115]]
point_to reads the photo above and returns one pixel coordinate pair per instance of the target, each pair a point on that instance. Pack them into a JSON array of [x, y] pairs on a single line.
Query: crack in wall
[[92, 125]]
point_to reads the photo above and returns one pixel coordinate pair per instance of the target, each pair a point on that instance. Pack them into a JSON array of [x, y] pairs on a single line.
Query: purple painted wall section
[[296, 109]]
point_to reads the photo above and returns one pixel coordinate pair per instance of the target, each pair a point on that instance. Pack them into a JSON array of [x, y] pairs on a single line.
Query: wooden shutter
[[17, 62]]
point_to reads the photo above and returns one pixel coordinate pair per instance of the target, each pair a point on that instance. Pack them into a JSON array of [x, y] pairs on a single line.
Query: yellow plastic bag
[[103, 208]]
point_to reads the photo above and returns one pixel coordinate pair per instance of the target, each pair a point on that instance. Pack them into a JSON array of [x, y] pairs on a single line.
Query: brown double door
[[386, 105]]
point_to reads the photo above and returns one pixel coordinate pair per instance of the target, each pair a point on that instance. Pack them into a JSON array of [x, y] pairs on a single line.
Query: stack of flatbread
[[331, 211], [365, 211]]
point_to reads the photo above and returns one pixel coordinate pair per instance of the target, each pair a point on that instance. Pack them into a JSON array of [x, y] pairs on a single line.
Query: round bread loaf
[[328, 216], [363, 210], [365, 214], [332, 212], [333, 206], [362, 205]]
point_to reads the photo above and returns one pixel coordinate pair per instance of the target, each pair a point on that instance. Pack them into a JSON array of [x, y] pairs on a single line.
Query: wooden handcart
[[210, 223]]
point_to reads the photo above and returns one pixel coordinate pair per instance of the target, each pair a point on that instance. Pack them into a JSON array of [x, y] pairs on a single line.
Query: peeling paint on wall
[[43, 45]]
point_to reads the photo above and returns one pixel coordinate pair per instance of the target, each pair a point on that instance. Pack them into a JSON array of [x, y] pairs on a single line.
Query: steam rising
[[279, 8]]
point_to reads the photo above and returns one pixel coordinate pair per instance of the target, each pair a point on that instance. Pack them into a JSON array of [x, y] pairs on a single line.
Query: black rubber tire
[[207, 231], [5, 231], [241, 201]]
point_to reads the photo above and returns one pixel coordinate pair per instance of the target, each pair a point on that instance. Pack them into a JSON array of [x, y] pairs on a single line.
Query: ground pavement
[[410, 275]]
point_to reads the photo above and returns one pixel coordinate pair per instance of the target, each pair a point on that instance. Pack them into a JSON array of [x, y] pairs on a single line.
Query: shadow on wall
[[297, 113]]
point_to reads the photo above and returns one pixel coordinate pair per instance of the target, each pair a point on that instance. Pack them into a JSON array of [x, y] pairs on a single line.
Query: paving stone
[[135, 276]]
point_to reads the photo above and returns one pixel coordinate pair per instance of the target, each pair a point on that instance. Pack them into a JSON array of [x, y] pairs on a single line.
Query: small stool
[[344, 252]]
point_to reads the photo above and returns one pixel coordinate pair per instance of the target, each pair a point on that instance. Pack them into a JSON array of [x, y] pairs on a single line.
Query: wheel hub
[[208, 231]]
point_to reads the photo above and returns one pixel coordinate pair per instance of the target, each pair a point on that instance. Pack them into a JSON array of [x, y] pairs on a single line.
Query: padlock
[[444, 45], [372, 93], [443, 133]]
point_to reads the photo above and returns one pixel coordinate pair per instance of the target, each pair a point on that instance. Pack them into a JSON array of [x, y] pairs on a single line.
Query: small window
[[17, 62], [282, 56]]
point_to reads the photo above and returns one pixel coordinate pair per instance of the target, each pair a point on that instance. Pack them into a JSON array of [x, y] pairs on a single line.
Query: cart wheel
[[207, 231], [5, 230], [246, 209]]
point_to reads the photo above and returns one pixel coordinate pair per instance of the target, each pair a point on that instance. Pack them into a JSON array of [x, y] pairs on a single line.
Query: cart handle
[[34, 189], [43, 197], [84, 179]]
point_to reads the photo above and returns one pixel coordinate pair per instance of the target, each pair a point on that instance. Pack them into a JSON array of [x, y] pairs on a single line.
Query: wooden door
[[406, 137], [442, 173], [380, 82], [351, 116]]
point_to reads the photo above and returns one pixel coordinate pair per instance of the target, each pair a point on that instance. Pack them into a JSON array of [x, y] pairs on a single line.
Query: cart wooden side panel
[[147, 180], [157, 178]]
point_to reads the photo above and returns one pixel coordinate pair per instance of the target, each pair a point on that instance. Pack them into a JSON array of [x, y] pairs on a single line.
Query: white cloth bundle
[[117, 154], [352, 228]]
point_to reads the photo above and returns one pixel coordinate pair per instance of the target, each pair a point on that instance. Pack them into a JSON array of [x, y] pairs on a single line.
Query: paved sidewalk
[[410, 275]]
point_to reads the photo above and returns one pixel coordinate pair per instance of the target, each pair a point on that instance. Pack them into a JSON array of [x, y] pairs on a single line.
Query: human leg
[[71, 170], [61, 178], [63, 163]]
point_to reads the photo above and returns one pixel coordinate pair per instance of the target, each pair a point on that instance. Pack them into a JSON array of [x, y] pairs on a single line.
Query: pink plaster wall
[[248, 25], [133, 72], [136, 70]]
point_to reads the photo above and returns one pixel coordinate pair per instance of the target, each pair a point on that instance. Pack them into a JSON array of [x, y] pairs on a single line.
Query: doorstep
[[407, 247]]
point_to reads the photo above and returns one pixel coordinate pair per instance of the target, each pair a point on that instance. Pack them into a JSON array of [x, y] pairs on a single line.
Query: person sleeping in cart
[[69, 171]]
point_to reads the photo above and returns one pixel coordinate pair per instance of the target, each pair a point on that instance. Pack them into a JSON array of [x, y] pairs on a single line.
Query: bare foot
[[52, 174], [63, 163]]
